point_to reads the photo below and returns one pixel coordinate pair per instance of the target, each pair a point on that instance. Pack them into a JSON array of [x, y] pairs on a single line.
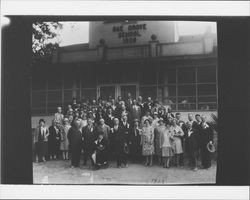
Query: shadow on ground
[[59, 172]]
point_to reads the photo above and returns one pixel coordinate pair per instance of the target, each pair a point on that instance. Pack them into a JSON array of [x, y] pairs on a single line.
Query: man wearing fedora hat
[[89, 137], [206, 137], [121, 143], [192, 145], [75, 141]]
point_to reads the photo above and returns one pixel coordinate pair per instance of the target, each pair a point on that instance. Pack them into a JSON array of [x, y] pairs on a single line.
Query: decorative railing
[[185, 48], [153, 49], [132, 52], [90, 55]]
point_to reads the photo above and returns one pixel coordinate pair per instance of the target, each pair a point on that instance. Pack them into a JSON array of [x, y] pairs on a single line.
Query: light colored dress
[[155, 123], [177, 133], [144, 118], [158, 131], [59, 118], [147, 141], [167, 149], [64, 145]]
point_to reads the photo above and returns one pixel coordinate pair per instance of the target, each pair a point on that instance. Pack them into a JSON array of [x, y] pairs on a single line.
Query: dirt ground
[[59, 172]]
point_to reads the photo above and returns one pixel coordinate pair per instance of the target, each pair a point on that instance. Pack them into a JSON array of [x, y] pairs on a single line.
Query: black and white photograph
[[124, 102], [107, 95]]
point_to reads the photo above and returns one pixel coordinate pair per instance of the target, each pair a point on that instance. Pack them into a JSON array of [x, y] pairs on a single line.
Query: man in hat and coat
[[135, 142], [192, 143], [75, 140], [100, 155], [121, 143], [206, 137], [89, 136]]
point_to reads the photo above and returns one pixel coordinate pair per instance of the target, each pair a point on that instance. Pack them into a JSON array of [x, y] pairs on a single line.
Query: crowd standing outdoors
[[123, 130]]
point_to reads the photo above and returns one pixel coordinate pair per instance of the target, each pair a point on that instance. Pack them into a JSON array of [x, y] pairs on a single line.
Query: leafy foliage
[[44, 40]]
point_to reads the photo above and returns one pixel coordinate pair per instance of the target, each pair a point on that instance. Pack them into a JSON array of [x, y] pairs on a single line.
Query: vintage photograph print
[[124, 102]]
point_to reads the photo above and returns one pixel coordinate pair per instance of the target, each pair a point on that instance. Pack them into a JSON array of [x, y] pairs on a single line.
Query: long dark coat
[[101, 148], [206, 135], [121, 139], [75, 143], [54, 140], [135, 141], [89, 136]]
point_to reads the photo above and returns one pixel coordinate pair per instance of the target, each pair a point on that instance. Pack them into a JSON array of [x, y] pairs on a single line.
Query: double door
[[115, 90]]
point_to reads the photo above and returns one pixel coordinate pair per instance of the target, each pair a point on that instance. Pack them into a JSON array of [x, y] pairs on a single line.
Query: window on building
[[186, 90], [206, 74], [130, 76], [206, 89], [88, 94], [186, 75], [148, 91], [194, 89], [54, 100], [187, 103], [104, 76], [39, 82], [88, 79], [117, 74], [54, 80], [71, 79], [167, 76], [38, 102], [148, 77], [68, 96]]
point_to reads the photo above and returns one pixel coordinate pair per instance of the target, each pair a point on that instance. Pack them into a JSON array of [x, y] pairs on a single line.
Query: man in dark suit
[[134, 142], [141, 104], [125, 124], [129, 102], [75, 142], [197, 122], [89, 136], [192, 145], [101, 149], [206, 136], [123, 111], [122, 135], [148, 105], [181, 123], [135, 111], [108, 117]]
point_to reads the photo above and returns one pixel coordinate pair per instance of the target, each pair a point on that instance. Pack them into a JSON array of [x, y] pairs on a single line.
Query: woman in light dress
[[167, 150], [59, 116], [147, 142], [64, 146], [177, 145]]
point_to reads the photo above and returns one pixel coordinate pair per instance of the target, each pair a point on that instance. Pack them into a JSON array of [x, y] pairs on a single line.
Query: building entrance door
[[106, 91], [115, 90]]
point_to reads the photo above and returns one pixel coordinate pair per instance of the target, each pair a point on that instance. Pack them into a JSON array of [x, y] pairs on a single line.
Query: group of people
[[123, 130]]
